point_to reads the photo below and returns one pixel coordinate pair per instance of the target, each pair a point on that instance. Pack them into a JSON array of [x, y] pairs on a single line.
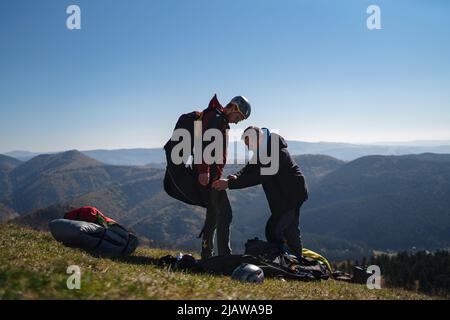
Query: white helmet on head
[[243, 105]]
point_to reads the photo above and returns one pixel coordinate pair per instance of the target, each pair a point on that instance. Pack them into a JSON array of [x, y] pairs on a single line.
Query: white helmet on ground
[[248, 273]]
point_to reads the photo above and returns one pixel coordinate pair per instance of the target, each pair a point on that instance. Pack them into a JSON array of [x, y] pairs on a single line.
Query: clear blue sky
[[310, 68]]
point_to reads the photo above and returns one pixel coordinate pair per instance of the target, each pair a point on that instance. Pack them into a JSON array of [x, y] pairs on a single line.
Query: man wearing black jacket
[[285, 188]]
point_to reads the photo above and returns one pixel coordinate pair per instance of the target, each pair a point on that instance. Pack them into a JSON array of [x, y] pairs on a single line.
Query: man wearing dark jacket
[[285, 189]]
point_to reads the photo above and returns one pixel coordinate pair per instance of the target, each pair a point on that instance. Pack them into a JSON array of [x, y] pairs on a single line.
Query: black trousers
[[218, 217], [283, 229]]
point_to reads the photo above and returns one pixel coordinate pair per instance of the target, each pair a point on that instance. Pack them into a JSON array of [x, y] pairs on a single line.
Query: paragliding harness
[[265, 255], [128, 239], [180, 180], [310, 263]]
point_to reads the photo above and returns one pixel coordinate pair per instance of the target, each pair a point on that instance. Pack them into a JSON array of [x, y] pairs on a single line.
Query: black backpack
[[180, 180], [262, 249], [185, 121]]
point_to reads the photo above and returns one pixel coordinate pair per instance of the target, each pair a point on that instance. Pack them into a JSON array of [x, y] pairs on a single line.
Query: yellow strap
[[314, 255]]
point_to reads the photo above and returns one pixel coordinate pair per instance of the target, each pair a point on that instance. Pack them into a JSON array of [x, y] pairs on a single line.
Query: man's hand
[[220, 185], [203, 179]]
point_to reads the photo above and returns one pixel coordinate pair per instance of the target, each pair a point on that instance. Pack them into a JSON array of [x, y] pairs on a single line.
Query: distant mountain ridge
[[7, 164], [374, 202], [342, 151], [136, 156], [49, 179], [385, 194]]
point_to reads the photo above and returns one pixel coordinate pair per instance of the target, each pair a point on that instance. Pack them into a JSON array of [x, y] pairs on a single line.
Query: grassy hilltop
[[33, 266]]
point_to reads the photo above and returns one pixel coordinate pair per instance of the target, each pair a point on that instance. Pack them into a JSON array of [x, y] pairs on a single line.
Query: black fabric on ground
[[91, 236], [225, 265]]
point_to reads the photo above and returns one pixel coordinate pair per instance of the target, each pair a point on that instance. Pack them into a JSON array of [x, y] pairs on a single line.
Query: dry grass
[[33, 266]]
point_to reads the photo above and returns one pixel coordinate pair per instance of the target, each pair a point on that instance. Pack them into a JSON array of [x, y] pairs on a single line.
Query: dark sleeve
[[247, 177], [292, 180]]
